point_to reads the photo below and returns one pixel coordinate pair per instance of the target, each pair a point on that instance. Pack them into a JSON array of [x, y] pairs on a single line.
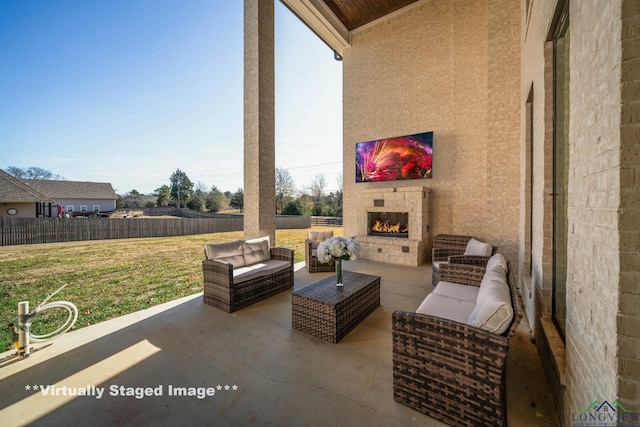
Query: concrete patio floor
[[258, 369]]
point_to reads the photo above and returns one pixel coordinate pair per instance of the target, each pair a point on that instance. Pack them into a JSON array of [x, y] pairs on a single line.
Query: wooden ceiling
[[356, 13]]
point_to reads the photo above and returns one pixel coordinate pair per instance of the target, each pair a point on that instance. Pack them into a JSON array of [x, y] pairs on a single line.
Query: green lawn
[[110, 278]]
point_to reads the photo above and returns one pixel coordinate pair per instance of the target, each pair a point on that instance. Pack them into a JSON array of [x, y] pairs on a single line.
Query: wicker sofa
[[449, 369], [240, 273]]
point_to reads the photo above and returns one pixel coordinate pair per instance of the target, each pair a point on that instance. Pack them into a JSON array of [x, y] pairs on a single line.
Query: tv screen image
[[398, 158]]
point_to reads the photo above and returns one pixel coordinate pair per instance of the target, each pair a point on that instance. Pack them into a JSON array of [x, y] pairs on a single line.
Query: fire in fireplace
[[388, 224]]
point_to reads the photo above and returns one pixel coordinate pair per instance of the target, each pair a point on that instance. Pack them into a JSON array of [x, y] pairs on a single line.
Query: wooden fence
[[335, 221], [23, 231]]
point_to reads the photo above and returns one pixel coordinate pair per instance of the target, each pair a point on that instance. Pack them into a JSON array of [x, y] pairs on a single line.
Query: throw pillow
[[497, 261], [319, 236], [256, 250], [493, 311], [476, 247], [228, 252]]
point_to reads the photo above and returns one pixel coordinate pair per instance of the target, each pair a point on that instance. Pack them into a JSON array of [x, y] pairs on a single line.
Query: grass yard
[[110, 278]]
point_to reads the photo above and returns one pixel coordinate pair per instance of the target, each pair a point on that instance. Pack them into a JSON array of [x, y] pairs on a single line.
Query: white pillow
[[497, 261], [493, 311], [476, 247]]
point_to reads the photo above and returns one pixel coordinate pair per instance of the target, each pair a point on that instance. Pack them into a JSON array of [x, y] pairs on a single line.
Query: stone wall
[[444, 67]]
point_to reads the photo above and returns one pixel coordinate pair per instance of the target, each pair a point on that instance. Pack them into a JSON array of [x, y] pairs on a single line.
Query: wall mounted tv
[[399, 158]]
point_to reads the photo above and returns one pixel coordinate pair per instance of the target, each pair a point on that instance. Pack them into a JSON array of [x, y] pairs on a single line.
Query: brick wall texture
[[453, 68], [603, 260]]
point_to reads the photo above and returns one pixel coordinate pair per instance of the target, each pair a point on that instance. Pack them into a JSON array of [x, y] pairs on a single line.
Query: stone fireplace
[[394, 224]]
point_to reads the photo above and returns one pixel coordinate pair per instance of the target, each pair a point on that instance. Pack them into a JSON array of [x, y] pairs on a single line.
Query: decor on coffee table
[[334, 250], [329, 312]]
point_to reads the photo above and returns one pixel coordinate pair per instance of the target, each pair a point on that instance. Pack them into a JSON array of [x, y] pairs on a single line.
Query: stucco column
[[259, 120]]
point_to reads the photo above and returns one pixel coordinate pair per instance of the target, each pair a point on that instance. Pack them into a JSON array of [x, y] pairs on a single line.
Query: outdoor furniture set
[[449, 356]]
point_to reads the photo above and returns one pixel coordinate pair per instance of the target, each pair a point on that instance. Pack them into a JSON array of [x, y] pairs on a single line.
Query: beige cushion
[[497, 261], [228, 252], [319, 236], [249, 272], [476, 247], [493, 311], [457, 291], [447, 308], [256, 250]]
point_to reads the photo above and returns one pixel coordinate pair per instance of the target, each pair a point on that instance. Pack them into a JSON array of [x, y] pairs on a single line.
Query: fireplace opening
[[388, 224]]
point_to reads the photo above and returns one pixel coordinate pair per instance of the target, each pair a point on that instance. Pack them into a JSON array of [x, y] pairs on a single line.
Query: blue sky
[[127, 92]]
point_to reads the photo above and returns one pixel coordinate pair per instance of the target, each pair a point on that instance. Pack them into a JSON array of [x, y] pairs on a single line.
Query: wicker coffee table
[[329, 312]]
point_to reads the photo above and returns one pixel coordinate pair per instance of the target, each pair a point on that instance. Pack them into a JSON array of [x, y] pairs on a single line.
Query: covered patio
[[257, 369]]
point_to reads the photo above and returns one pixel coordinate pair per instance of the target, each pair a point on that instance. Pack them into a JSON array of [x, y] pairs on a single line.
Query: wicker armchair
[[449, 370], [310, 246], [448, 248], [221, 292]]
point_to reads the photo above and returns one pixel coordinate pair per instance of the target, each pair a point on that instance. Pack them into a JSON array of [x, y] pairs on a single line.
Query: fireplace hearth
[[388, 224]]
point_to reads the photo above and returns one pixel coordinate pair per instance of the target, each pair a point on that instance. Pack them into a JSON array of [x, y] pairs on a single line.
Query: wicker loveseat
[[240, 273], [448, 369]]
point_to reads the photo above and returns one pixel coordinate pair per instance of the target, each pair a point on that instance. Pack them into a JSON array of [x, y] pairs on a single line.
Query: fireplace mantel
[[411, 251]]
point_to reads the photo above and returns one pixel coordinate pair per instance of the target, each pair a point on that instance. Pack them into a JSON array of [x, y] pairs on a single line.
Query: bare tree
[[317, 192], [32, 172], [285, 188]]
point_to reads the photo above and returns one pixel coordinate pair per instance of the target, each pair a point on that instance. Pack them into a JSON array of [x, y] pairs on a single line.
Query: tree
[[199, 200], [292, 208], [317, 193], [285, 188], [237, 200], [163, 196], [181, 188], [132, 199], [135, 199], [216, 201], [32, 172], [305, 202]]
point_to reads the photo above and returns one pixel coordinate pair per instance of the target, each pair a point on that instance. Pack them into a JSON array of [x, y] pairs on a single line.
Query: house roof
[[13, 190], [57, 189], [334, 20]]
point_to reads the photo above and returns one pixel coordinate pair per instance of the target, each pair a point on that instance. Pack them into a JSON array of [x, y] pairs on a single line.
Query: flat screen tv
[[399, 158]]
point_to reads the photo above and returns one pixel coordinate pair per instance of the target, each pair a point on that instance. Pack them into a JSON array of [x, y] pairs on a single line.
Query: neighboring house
[[19, 200], [75, 197]]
